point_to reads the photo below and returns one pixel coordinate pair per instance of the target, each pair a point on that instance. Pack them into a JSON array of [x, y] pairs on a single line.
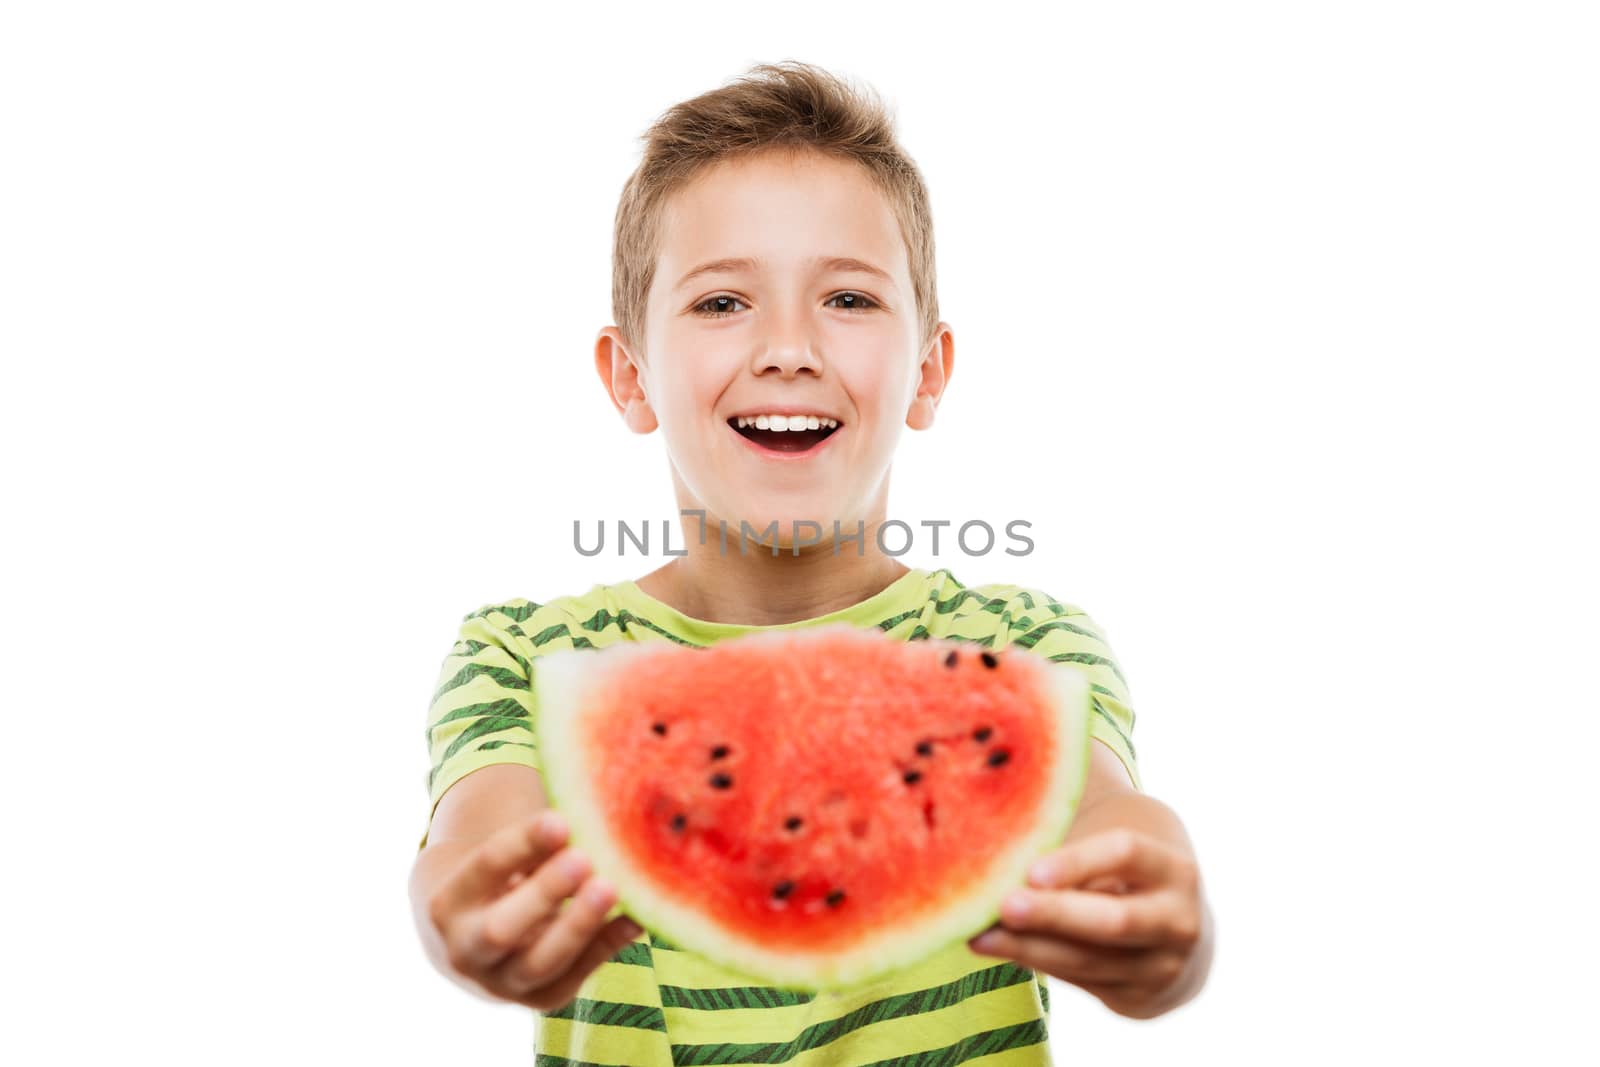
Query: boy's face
[[798, 335]]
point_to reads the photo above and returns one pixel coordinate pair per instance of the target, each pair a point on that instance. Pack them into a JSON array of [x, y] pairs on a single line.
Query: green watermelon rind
[[562, 679]]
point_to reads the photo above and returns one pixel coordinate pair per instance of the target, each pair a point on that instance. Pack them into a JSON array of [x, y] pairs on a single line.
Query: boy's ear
[[933, 375], [619, 373]]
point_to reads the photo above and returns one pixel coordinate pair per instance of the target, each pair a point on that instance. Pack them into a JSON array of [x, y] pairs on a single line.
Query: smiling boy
[[773, 288]]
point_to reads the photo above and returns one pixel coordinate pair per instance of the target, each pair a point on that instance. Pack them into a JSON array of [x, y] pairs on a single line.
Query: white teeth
[[785, 423]]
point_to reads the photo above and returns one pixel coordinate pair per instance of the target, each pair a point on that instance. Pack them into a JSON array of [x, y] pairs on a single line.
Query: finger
[[1126, 853], [1136, 920], [1106, 883], [1081, 964], [521, 846], [559, 946], [552, 997], [518, 917]]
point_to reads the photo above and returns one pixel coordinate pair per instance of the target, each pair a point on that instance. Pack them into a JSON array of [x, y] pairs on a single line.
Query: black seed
[[998, 756], [679, 822], [660, 728], [720, 781], [782, 889], [982, 733], [924, 748], [950, 660], [719, 752], [912, 777], [793, 823], [835, 897], [989, 659]]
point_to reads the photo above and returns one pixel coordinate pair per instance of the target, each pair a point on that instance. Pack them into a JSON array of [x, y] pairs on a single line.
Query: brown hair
[[789, 105]]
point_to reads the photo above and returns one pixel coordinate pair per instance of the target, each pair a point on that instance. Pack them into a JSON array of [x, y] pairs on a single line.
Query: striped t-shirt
[[655, 1005]]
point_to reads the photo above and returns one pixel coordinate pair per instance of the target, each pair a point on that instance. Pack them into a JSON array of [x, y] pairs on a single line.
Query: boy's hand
[[502, 925], [1117, 912]]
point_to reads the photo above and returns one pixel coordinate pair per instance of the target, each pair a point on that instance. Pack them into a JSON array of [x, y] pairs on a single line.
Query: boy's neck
[[760, 589]]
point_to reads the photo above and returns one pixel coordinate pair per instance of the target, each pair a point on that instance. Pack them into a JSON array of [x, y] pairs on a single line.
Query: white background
[[1276, 320]]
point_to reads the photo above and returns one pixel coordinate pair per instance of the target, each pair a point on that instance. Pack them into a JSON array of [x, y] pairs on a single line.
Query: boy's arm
[[469, 813], [1111, 803]]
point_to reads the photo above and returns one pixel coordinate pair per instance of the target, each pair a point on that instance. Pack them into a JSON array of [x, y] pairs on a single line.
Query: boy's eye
[[716, 307], [721, 303], [859, 301]]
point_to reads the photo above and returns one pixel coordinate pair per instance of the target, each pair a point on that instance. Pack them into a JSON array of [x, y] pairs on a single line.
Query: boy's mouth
[[784, 433]]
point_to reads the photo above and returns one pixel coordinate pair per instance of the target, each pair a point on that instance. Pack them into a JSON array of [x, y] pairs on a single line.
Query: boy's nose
[[788, 333], [789, 363], [788, 356]]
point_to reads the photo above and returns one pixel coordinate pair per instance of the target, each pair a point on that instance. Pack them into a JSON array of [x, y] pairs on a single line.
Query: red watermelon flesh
[[812, 807]]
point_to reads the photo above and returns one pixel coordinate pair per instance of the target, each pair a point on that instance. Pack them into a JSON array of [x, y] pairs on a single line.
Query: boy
[[774, 293]]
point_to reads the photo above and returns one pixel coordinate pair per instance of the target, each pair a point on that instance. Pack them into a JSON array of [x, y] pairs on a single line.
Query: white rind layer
[[562, 681]]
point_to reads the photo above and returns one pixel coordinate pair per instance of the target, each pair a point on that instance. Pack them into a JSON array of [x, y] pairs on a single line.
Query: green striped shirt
[[654, 1005]]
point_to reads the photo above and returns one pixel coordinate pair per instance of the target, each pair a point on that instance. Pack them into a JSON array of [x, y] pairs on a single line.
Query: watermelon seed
[[719, 752], [924, 748], [782, 889], [720, 781], [998, 756], [660, 728], [679, 822], [835, 897], [950, 660], [989, 659], [793, 823], [982, 733], [912, 777]]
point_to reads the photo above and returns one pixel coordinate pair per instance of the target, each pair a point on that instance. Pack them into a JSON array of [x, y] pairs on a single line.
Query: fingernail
[[1040, 873], [632, 929], [986, 942], [576, 865], [1016, 906], [599, 893], [553, 824]]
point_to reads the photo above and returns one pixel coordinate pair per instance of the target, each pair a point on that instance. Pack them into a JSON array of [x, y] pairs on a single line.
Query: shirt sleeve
[[481, 711], [1063, 633]]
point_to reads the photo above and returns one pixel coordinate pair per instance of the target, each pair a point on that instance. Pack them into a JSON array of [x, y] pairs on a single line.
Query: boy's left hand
[[1117, 912]]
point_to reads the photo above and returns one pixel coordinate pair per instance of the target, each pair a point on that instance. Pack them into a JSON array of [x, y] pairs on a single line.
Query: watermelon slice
[[817, 807]]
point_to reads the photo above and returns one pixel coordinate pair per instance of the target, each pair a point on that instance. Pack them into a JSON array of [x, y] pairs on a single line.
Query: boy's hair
[[791, 106]]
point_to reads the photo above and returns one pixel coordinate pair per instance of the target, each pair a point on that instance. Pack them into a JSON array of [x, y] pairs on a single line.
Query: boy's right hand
[[502, 925]]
